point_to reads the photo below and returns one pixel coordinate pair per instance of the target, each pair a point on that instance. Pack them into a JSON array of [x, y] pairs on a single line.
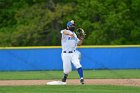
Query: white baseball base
[[56, 83]]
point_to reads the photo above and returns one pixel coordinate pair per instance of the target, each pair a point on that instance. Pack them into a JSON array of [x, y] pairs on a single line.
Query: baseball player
[[69, 54]]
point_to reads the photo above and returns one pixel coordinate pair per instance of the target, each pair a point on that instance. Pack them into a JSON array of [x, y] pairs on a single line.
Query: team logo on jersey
[[71, 38]]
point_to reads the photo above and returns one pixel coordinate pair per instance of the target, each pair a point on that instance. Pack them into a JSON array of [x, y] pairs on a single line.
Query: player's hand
[[80, 33], [72, 35], [81, 38]]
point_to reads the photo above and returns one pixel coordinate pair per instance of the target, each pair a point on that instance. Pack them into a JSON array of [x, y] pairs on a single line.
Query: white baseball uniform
[[69, 53]]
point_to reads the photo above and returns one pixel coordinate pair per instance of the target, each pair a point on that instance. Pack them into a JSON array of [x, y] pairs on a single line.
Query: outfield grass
[[70, 89], [98, 74]]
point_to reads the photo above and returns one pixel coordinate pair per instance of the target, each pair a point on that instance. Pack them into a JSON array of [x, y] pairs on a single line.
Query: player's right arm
[[65, 32]]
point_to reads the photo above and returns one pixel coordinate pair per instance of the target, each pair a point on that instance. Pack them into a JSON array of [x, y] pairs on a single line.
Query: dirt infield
[[125, 82]]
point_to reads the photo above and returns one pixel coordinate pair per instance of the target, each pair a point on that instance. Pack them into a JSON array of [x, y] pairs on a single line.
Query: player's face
[[71, 28]]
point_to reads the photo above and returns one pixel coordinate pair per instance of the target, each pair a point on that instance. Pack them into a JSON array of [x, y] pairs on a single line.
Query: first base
[[56, 83]]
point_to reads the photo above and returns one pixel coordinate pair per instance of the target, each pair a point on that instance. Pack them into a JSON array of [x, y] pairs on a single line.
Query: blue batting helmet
[[70, 23]]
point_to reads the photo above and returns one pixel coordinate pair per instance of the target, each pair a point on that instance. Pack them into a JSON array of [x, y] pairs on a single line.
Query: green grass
[[19, 75], [70, 89]]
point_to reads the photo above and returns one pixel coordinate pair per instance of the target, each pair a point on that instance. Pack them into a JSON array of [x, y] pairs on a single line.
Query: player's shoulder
[[62, 31]]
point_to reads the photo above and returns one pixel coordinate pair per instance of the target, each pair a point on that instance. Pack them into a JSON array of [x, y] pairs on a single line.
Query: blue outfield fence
[[49, 58]]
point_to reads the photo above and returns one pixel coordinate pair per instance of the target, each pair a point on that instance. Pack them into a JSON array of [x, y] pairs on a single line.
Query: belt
[[68, 51]]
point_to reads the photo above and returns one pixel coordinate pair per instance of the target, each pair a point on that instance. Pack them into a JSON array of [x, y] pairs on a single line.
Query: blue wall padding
[[50, 58]]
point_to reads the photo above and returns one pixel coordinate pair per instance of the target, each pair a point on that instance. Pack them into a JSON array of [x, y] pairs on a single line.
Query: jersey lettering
[[71, 38]]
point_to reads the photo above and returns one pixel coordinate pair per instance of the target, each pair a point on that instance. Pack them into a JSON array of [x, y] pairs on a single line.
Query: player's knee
[[67, 71], [78, 66]]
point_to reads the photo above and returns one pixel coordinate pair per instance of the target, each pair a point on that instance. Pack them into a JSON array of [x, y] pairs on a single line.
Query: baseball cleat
[[82, 81], [64, 80]]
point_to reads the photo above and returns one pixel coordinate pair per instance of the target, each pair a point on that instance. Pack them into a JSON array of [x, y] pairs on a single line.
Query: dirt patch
[[125, 82]]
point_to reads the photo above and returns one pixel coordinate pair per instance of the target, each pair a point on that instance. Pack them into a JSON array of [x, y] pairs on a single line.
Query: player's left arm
[[80, 35], [80, 42]]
